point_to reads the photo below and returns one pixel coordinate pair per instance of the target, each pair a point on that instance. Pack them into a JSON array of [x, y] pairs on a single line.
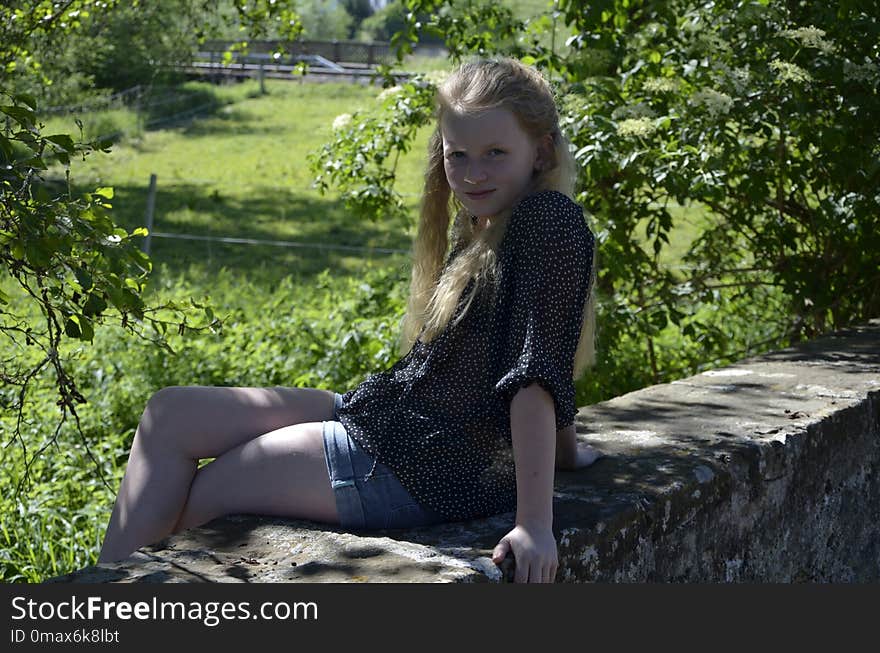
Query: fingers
[[595, 453], [548, 573], [535, 554], [587, 455], [500, 551], [536, 572]]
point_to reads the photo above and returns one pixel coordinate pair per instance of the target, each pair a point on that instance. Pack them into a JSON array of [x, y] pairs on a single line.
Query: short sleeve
[[549, 267]]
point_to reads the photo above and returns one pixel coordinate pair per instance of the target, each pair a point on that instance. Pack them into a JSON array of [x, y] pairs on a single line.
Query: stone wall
[[762, 471]]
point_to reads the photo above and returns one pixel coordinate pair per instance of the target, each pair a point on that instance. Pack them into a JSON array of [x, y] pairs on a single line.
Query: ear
[[544, 152]]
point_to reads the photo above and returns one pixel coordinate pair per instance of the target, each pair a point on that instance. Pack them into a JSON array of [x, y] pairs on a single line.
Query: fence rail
[[258, 69], [279, 59]]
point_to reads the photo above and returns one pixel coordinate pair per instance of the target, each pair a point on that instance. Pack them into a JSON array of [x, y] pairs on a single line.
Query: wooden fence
[[354, 53], [326, 59]]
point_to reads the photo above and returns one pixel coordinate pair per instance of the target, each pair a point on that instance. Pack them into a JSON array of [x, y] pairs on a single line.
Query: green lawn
[[242, 172]]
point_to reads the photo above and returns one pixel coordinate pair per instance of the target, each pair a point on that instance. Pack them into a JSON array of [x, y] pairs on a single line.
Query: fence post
[[151, 207], [262, 80]]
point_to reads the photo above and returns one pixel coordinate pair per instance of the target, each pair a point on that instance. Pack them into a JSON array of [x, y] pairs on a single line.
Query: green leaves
[[361, 161], [79, 327], [6, 147], [63, 141], [70, 261], [84, 278], [94, 305], [751, 119], [22, 115]]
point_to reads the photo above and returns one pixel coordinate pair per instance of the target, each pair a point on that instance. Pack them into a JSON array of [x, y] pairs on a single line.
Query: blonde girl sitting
[[472, 419]]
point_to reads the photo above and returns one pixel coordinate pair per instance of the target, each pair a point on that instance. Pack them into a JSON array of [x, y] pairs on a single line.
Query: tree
[[324, 21], [761, 117], [70, 268], [384, 23], [359, 10]]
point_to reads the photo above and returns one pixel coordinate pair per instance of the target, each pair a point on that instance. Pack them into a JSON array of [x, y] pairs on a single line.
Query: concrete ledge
[[763, 471]]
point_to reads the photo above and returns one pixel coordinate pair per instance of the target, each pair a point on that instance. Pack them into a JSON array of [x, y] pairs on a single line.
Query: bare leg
[[280, 473], [181, 425]]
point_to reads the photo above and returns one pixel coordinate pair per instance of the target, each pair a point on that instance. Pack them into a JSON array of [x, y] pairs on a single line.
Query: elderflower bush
[[763, 124], [755, 118], [715, 102], [790, 72], [810, 37], [341, 121], [636, 127]]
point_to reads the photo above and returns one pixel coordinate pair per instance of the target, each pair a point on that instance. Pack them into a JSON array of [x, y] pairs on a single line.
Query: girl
[[469, 422]]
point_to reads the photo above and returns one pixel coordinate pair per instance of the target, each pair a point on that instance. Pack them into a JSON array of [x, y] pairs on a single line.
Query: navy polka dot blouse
[[440, 416]]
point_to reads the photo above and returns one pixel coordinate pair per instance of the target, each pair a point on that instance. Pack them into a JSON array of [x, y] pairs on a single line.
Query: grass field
[[241, 172]]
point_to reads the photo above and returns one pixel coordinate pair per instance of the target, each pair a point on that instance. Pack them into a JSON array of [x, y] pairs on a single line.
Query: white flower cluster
[[388, 92], [810, 37], [341, 121], [740, 78], [712, 43], [572, 103], [715, 102], [636, 127], [790, 72], [639, 110], [660, 84], [865, 72]]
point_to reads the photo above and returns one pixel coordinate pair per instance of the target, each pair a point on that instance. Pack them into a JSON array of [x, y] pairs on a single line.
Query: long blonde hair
[[435, 290]]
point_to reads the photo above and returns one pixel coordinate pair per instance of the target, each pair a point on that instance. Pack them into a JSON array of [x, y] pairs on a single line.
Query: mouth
[[480, 195]]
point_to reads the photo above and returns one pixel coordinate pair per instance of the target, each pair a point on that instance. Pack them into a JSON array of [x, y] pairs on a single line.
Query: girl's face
[[489, 160]]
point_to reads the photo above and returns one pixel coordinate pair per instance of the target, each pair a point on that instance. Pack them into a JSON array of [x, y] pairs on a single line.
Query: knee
[[165, 400], [160, 415]]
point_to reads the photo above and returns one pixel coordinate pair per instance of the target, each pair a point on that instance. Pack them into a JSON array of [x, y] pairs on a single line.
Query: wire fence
[[143, 101], [279, 243], [115, 100]]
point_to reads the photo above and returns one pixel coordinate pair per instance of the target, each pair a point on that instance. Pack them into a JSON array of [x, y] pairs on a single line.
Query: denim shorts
[[365, 500]]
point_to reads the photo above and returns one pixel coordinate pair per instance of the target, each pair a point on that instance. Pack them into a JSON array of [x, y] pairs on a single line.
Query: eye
[[456, 154], [496, 152]]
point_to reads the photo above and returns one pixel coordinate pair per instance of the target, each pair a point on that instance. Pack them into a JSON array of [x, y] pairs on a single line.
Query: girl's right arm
[[531, 541]]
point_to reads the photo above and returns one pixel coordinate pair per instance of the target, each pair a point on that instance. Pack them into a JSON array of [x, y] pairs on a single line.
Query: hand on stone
[[534, 552], [584, 455]]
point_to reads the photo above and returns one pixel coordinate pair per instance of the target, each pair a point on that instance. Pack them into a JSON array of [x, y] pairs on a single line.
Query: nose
[[474, 174]]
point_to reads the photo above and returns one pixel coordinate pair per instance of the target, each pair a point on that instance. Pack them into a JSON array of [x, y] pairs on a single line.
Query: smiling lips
[[481, 195]]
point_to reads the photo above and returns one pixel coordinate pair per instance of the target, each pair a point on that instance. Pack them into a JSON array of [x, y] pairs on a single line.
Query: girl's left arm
[[533, 429]]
